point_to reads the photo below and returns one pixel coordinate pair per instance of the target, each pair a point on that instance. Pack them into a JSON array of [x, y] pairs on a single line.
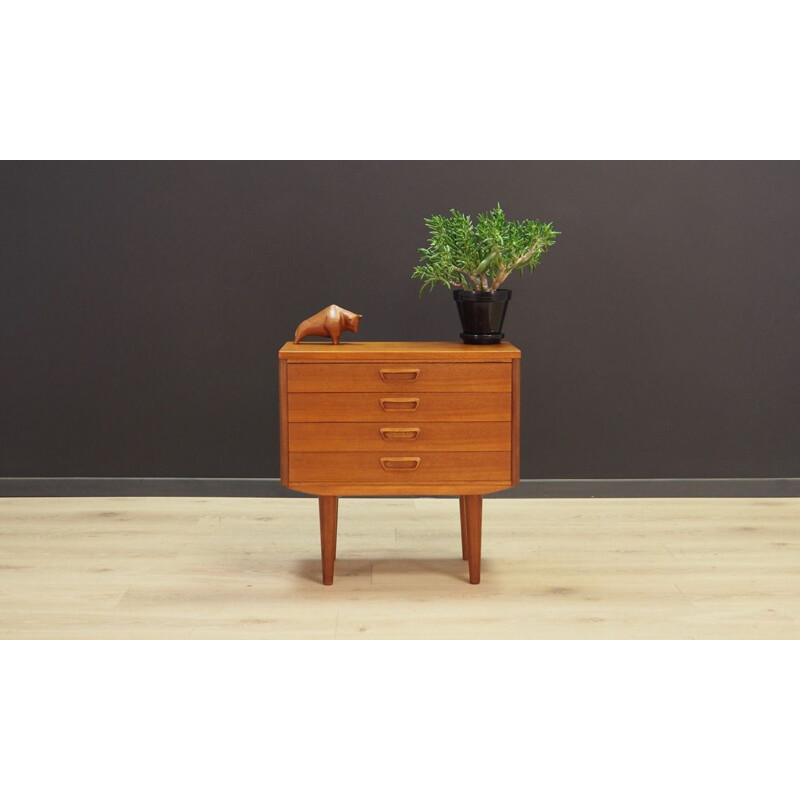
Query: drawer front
[[398, 407], [400, 377], [399, 467], [320, 437]]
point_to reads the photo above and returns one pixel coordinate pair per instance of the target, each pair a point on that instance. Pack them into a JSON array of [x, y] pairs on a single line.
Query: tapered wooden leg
[[328, 518], [473, 504], [464, 540]]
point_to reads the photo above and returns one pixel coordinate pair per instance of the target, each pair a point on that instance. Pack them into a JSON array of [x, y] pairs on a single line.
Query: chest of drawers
[[399, 418]]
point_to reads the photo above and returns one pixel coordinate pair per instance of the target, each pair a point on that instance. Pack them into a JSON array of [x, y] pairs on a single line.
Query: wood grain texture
[[328, 520], [416, 377], [350, 488], [473, 513], [398, 408], [383, 467], [284, 420], [464, 539], [515, 420], [331, 322], [249, 568], [342, 437], [398, 351]]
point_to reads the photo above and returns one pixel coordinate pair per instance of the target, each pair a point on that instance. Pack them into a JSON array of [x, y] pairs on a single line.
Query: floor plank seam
[[121, 598]]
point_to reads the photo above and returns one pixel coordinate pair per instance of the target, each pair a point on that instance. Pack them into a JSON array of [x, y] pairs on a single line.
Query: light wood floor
[[221, 568]]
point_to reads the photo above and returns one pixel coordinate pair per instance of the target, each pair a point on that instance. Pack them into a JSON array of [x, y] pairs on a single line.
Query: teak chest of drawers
[[399, 418]]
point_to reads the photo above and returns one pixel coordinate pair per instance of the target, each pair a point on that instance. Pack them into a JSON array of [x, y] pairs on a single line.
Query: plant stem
[[467, 281], [501, 276]]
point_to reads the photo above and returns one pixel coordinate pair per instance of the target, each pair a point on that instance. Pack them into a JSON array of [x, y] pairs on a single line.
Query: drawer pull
[[400, 433], [399, 403], [400, 463], [399, 374]]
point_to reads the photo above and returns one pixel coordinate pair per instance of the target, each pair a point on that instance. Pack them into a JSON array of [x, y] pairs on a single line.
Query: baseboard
[[659, 487], [271, 487], [144, 487]]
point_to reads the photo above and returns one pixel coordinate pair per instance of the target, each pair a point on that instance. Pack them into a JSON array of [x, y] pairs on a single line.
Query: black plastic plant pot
[[482, 315]]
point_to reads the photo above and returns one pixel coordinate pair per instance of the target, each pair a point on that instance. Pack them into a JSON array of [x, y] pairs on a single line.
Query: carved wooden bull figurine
[[331, 321]]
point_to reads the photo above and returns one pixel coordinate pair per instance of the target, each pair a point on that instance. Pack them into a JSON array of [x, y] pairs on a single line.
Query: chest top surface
[[398, 351]]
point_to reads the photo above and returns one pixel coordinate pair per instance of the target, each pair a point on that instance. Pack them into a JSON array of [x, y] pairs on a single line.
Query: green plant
[[480, 257]]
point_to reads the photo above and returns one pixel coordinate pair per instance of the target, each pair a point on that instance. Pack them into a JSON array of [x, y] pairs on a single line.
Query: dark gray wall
[[142, 305]]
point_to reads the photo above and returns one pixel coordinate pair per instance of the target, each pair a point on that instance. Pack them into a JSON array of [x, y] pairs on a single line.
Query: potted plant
[[476, 259]]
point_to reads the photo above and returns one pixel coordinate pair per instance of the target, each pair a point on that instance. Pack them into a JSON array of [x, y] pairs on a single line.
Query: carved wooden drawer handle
[[399, 403], [399, 374], [400, 463], [400, 433]]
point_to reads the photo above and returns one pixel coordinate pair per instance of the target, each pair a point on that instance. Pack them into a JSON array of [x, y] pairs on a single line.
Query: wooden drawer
[[399, 377], [321, 437], [399, 467], [396, 407]]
